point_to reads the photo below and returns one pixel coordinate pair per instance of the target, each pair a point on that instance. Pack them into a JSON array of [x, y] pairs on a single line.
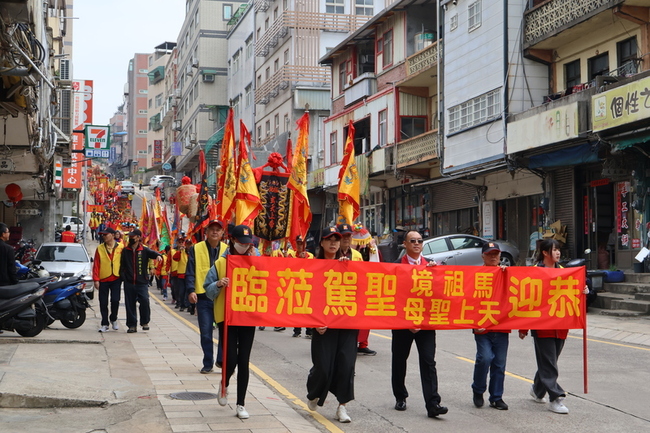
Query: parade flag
[[202, 214], [227, 179], [348, 193], [165, 238], [144, 218], [247, 197], [301, 211], [176, 222]]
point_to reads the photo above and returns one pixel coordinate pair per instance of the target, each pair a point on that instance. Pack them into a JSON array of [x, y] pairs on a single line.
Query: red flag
[[202, 214], [227, 179], [247, 197]]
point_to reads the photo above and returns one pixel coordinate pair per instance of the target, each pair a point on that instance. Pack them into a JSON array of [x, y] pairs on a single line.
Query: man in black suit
[[425, 340]]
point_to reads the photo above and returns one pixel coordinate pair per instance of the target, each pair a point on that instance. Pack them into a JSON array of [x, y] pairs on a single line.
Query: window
[[235, 63], [275, 14], [475, 111], [333, 158], [249, 46], [276, 65], [453, 22], [286, 122], [598, 65], [383, 127], [268, 127], [474, 16], [342, 76], [142, 111], [388, 49], [285, 4], [259, 81], [267, 73], [142, 131], [235, 107], [286, 56], [259, 132], [143, 91], [248, 95], [150, 103], [227, 12], [412, 126], [159, 99], [334, 6], [572, 74], [628, 60], [276, 123], [266, 24], [364, 7]]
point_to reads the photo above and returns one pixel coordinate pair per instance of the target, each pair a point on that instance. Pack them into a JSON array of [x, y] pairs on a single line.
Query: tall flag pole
[[348, 193], [301, 215], [202, 214], [227, 180], [247, 198]]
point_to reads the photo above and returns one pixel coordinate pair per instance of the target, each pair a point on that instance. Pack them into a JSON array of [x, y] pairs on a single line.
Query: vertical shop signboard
[[623, 210]]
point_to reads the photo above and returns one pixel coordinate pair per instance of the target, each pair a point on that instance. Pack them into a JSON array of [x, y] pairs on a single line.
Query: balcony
[[424, 59], [167, 112], [154, 123], [291, 74], [570, 17], [422, 148], [305, 20], [363, 86]]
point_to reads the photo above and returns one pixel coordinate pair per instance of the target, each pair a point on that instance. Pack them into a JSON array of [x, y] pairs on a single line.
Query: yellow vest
[[292, 253], [181, 265], [203, 264], [174, 267], [108, 267], [163, 266], [220, 302]]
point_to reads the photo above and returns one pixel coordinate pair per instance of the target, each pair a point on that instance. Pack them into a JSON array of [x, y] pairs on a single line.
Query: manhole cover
[[193, 395]]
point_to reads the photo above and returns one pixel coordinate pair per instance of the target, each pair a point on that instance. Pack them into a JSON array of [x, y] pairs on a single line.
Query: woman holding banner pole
[[333, 351], [238, 340]]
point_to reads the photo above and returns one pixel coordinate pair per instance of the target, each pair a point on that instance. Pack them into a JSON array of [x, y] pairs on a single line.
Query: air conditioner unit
[[64, 69], [177, 93], [193, 138], [189, 70], [178, 125], [208, 78], [195, 62], [188, 143]]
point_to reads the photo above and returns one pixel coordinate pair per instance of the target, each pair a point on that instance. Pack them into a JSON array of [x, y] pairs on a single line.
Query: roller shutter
[[452, 196], [563, 203]]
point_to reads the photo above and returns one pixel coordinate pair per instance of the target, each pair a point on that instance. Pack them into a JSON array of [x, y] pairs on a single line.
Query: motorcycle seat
[[63, 283], [15, 290]]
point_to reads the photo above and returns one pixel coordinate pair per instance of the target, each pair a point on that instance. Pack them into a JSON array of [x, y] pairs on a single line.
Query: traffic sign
[[167, 167], [98, 153]]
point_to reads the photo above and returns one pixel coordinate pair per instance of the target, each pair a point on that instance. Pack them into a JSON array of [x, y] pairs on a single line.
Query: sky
[[107, 34]]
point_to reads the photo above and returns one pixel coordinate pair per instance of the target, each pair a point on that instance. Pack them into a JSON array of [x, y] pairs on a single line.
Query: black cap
[[242, 234], [135, 232], [490, 246], [344, 229], [329, 232], [107, 231]]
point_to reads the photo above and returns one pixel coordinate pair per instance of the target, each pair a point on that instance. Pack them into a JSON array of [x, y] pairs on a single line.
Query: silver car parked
[[465, 250]]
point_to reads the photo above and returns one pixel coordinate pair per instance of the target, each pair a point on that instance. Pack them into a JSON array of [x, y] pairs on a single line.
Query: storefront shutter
[[563, 196], [452, 196]]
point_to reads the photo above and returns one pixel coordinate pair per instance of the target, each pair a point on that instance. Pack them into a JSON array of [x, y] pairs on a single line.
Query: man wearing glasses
[[425, 341], [7, 258], [106, 276]]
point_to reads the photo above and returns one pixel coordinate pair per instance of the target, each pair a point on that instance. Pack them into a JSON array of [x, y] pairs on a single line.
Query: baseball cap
[[344, 229], [399, 229], [490, 246], [135, 232], [329, 232], [107, 231], [215, 222], [242, 234]]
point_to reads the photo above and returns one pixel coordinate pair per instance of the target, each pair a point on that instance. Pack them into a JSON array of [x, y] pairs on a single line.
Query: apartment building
[[156, 104], [136, 98]]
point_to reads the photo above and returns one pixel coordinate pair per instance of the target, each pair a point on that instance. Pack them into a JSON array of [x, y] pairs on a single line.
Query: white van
[[76, 224], [158, 179]]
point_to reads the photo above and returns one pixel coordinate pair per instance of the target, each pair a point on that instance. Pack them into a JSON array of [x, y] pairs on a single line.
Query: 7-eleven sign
[[98, 137]]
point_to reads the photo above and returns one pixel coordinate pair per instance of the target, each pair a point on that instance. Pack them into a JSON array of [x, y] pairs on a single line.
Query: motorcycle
[[25, 251], [576, 263], [65, 301], [18, 303], [30, 270]]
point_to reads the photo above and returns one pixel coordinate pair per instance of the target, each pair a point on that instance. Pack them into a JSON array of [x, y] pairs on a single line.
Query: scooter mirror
[[587, 251]]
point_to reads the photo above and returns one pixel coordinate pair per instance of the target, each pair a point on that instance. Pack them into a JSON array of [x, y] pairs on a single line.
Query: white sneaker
[[313, 404], [342, 414], [223, 400], [241, 412], [104, 329], [558, 406], [534, 396], [115, 325]]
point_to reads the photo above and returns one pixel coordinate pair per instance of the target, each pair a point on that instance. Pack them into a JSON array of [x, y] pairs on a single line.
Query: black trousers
[[240, 344], [425, 341], [112, 290], [547, 352], [333, 355]]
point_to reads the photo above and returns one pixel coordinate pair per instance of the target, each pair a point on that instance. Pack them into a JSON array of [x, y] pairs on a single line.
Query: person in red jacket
[[68, 235], [491, 349], [106, 276]]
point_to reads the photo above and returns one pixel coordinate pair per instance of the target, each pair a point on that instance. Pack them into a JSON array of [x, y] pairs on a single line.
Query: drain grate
[[193, 395]]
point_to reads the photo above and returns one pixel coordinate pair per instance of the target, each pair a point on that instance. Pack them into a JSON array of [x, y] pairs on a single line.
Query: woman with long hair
[[333, 351], [240, 338]]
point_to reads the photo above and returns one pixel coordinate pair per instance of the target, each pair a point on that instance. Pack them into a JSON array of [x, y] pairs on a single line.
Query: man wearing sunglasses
[[425, 341]]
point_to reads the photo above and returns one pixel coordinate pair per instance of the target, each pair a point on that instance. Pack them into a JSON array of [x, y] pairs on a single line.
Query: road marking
[[516, 376], [611, 343], [329, 425]]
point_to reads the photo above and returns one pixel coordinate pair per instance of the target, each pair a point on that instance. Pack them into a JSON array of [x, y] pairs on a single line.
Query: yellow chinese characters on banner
[[277, 291]]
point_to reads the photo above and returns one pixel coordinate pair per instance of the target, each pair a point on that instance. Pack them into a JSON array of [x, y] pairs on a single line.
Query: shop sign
[[622, 105], [316, 178], [623, 210], [547, 127], [599, 182]]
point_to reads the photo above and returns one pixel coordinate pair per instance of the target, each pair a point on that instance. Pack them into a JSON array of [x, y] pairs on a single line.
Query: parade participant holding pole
[[106, 276]]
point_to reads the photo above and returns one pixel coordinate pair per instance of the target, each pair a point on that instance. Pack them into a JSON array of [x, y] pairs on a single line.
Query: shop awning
[[624, 143], [582, 154]]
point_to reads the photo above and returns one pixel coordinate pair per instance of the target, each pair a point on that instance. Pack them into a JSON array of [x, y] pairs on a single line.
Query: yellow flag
[[227, 180], [247, 198], [348, 194], [301, 217]]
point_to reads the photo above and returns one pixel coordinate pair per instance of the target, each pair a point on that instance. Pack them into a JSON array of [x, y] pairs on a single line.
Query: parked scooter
[[65, 301], [575, 263], [30, 270], [18, 307]]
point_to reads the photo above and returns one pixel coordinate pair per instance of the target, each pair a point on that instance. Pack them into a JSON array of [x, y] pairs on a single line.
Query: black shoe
[[145, 327], [366, 351], [400, 405], [279, 328], [177, 306], [499, 404], [206, 370], [131, 330], [478, 400], [181, 309], [296, 335], [218, 364], [437, 410]]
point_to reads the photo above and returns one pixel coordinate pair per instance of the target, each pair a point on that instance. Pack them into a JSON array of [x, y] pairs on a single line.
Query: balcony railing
[[424, 59], [291, 74], [306, 20], [555, 15], [418, 149]]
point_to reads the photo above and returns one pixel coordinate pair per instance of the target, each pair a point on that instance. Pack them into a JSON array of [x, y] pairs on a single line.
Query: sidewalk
[[133, 373]]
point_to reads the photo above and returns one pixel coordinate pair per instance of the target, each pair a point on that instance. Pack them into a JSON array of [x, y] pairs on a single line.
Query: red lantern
[[14, 193]]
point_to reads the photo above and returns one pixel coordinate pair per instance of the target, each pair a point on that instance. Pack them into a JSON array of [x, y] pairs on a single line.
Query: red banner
[[275, 291]]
